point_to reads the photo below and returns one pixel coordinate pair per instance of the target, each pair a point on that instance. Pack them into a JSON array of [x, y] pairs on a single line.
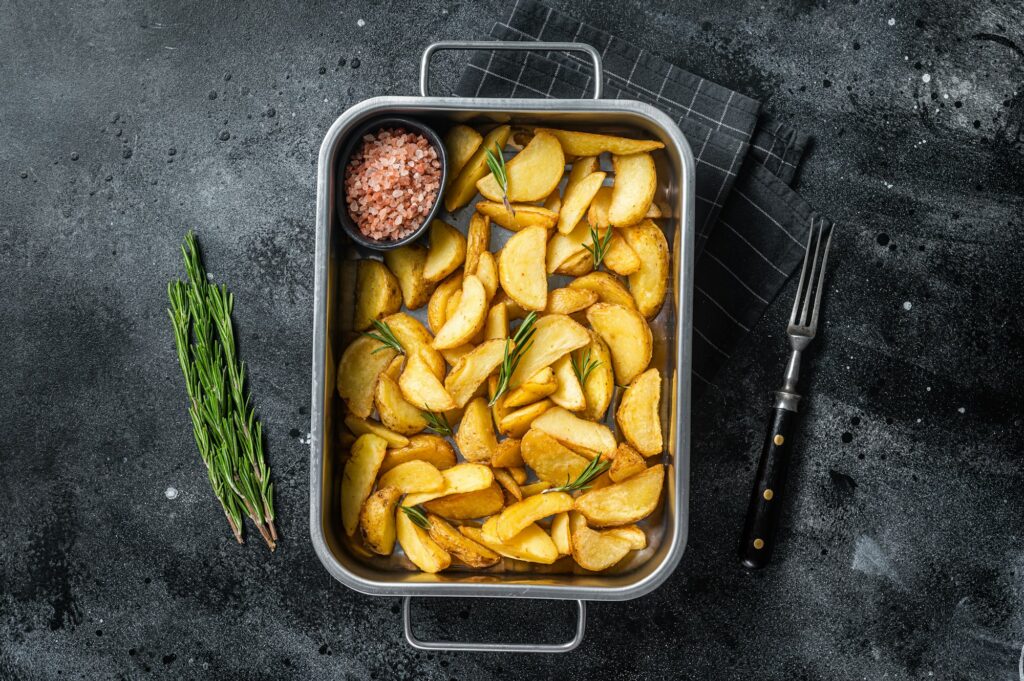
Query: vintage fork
[[758, 539]]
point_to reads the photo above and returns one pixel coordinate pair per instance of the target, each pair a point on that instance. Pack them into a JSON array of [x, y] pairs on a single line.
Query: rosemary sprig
[[386, 336], [496, 163], [583, 481], [599, 245], [514, 349], [583, 367], [416, 515], [437, 422]]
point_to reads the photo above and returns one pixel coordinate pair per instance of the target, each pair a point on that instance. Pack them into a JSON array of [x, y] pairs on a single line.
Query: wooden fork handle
[[758, 539]]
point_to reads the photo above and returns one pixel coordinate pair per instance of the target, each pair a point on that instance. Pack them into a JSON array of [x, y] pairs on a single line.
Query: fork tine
[[803, 276], [821, 281], [805, 314]]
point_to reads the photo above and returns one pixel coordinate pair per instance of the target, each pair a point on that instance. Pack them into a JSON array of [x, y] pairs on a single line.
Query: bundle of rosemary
[[227, 433]]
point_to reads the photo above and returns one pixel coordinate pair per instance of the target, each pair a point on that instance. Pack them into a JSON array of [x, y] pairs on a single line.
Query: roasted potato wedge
[[597, 214], [569, 394], [591, 144], [521, 268], [509, 484], [627, 463], [569, 300], [516, 423], [627, 335], [555, 335], [496, 325], [460, 143], [577, 265], [595, 550], [577, 199], [421, 388], [459, 479], [475, 437], [523, 215], [407, 263], [649, 282], [413, 476], [462, 189], [487, 273], [607, 287], [532, 544], [520, 515], [377, 293], [459, 545], [574, 432], [478, 240], [620, 257], [631, 533], [418, 546], [466, 505], [638, 416], [564, 247], [454, 355], [518, 474], [437, 308], [377, 520], [468, 319], [358, 370], [582, 168], [395, 412], [600, 385], [635, 182], [560, 534], [357, 481], [532, 173], [508, 455], [550, 460], [360, 426], [554, 202], [433, 449], [472, 370], [415, 338], [624, 502], [447, 251], [540, 385], [534, 488]]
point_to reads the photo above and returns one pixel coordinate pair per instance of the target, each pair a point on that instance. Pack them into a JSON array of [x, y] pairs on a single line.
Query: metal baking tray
[[333, 302]]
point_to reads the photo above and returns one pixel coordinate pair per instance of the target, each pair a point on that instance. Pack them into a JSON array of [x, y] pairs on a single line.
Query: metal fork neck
[[787, 397]]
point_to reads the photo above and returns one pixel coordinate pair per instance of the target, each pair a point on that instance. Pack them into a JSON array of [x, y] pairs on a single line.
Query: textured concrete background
[[123, 124]]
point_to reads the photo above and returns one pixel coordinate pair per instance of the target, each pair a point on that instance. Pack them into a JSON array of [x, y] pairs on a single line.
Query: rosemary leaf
[[593, 469], [437, 422], [584, 367], [514, 349], [416, 515], [496, 164], [598, 246], [385, 336]]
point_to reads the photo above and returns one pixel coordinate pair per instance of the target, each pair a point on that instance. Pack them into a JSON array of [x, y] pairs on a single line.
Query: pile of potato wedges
[[523, 423]]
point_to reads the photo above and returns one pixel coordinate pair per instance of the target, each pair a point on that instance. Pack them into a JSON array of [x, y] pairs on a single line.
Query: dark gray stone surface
[[124, 124]]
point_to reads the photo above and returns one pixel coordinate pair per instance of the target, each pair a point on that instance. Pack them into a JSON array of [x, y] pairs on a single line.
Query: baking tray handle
[[511, 45], [460, 646]]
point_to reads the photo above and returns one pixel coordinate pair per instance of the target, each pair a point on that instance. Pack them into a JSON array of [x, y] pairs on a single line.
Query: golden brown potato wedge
[[523, 215], [624, 502], [407, 263], [565, 247], [514, 309], [532, 544], [627, 463], [357, 481], [462, 189], [521, 268], [508, 455], [597, 214], [631, 533], [412, 477], [638, 416], [459, 545], [468, 319], [421, 388], [620, 257], [415, 338], [577, 199], [358, 370], [628, 337], [600, 384], [607, 287], [360, 426], [550, 460], [478, 240], [472, 370], [635, 182], [475, 437], [579, 434], [459, 479], [581, 168], [560, 533], [433, 449], [509, 484], [595, 550], [377, 293], [532, 173], [418, 546], [487, 273], [555, 335], [554, 202], [650, 282], [395, 412], [517, 517], [591, 144], [377, 520], [570, 393], [516, 423], [540, 385], [498, 409], [532, 488], [466, 505], [569, 300], [496, 326], [577, 265], [437, 308], [460, 143], [447, 251], [518, 474]]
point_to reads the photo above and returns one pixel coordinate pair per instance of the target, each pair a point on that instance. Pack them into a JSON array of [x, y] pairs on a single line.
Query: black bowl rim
[[348, 148]]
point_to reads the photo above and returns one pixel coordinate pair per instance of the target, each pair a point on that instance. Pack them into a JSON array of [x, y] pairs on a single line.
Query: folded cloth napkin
[[750, 224]]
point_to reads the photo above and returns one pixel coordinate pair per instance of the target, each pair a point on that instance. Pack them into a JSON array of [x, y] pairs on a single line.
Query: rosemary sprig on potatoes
[[598, 246], [437, 423], [417, 515], [514, 350], [496, 163], [584, 366], [585, 479], [385, 336]]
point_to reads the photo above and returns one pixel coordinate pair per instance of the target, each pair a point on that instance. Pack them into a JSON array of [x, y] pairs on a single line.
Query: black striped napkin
[[750, 224]]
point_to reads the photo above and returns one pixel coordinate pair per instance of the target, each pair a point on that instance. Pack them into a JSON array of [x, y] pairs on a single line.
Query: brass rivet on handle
[[779, 440], [768, 494], [759, 543]]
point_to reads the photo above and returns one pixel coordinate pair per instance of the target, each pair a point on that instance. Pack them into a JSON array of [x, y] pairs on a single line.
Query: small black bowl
[[348, 148]]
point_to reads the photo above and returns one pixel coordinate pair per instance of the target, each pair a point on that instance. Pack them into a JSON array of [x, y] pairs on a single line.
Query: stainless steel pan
[[333, 298]]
